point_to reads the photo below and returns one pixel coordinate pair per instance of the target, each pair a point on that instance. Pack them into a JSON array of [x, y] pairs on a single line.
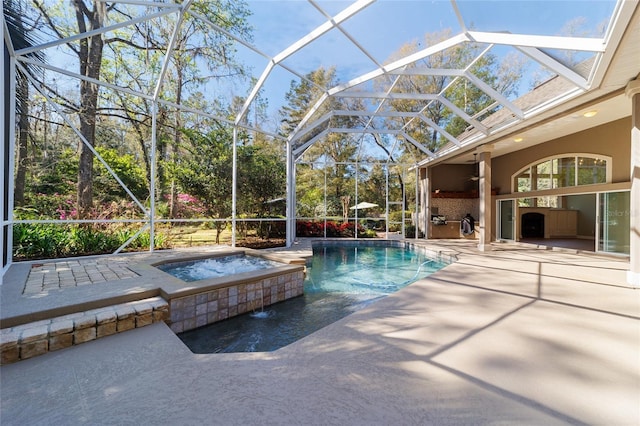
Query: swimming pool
[[341, 279]]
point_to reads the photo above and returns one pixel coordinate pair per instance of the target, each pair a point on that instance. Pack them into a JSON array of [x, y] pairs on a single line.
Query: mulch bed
[[259, 243]]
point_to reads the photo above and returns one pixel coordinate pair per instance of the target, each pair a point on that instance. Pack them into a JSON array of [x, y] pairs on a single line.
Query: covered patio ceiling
[[379, 52]]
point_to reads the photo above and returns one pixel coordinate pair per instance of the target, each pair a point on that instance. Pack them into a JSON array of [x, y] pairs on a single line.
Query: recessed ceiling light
[[590, 113], [518, 139]]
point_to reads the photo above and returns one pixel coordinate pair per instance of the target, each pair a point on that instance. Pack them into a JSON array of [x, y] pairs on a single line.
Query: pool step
[[37, 338]]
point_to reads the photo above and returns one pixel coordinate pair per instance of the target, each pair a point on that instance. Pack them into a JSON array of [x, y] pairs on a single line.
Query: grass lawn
[[187, 236], [193, 235]]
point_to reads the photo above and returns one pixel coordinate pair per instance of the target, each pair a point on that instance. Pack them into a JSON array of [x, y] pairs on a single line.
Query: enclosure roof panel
[[437, 76], [385, 52]]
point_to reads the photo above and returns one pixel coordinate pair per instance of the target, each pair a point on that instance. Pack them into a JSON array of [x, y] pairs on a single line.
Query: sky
[[383, 27]]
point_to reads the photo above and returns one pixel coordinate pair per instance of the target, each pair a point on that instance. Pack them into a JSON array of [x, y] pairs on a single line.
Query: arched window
[[562, 171]]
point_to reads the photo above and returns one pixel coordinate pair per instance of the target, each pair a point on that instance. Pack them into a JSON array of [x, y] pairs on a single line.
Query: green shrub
[[106, 188], [39, 241], [396, 216], [368, 233], [410, 232], [51, 241], [143, 240], [86, 240], [272, 229]]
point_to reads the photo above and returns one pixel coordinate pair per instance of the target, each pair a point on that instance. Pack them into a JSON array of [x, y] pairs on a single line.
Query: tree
[[461, 91], [89, 16], [199, 55], [135, 53], [206, 173], [22, 34], [128, 170], [335, 148], [261, 177]]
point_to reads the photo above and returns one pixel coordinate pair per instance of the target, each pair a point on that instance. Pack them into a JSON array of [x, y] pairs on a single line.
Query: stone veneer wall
[[456, 208], [212, 305]]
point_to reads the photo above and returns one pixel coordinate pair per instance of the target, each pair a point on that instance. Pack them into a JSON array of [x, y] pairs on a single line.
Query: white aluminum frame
[[529, 45]]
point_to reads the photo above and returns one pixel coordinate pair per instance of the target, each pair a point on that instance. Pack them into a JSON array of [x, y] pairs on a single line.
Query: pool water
[[340, 280], [195, 270], [366, 270]]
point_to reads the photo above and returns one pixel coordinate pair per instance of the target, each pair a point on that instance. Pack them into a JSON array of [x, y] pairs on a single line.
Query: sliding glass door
[[505, 219], [614, 213]]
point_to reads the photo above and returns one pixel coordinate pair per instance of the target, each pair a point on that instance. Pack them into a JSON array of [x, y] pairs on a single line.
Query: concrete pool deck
[[518, 335]]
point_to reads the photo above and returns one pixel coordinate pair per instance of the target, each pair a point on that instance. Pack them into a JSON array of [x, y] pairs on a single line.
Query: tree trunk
[[141, 137], [23, 129], [19, 33], [162, 150], [176, 146], [219, 228], [90, 55], [404, 199]]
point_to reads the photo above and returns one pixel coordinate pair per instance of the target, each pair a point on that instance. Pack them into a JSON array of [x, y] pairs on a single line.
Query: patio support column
[[633, 276], [484, 188]]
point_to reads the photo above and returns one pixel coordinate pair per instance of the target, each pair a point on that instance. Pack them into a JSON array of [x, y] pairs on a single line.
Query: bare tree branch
[[130, 43], [52, 25]]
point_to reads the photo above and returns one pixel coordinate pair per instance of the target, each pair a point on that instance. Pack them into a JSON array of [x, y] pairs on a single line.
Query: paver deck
[[513, 336]]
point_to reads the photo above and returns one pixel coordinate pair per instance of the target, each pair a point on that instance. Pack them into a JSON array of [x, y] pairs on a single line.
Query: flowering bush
[[317, 229], [333, 229], [187, 206], [309, 229]]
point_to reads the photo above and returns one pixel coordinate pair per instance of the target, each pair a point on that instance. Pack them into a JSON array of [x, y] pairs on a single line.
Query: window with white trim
[[563, 171]]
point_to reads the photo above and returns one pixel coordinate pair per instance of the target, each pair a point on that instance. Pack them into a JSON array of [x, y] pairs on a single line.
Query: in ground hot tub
[[200, 269], [204, 290]]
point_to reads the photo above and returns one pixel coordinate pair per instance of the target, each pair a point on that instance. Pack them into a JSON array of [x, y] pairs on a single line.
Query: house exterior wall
[[611, 139], [453, 177]]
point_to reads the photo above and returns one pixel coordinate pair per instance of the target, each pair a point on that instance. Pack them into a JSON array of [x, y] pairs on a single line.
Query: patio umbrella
[[363, 205]]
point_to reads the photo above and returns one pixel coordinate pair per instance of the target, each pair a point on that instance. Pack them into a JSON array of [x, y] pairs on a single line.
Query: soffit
[[608, 99]]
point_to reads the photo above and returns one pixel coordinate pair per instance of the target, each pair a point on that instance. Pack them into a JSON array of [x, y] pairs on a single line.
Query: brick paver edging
[[37, 338]]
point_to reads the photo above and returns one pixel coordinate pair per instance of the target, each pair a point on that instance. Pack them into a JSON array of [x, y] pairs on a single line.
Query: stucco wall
[[610, 139], [453, 177]]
